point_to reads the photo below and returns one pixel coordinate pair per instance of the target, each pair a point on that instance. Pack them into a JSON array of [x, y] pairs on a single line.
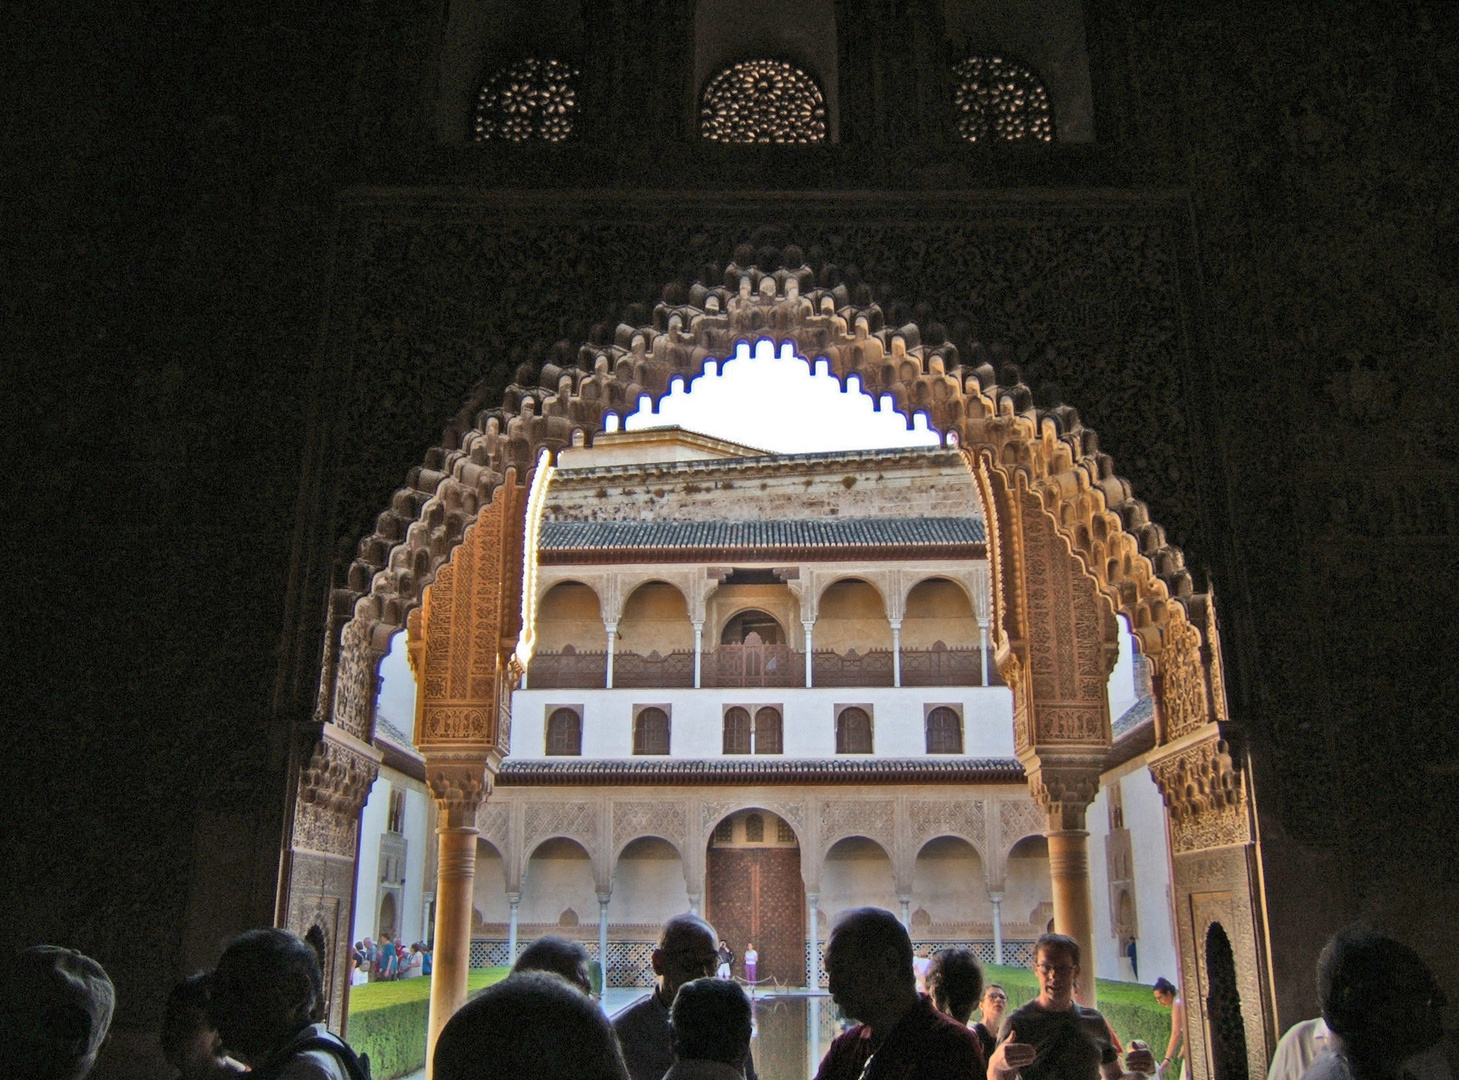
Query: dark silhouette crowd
[[261, 1012]]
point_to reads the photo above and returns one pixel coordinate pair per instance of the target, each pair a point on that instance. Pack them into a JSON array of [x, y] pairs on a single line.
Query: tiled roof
[[928, 770], [746, 535]]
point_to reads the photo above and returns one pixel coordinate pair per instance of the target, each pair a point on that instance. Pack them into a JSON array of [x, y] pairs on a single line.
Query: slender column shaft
[[603, 937], [906, 902], [810, 662], [454, 880], [698, 654], [983, 652], [997, 899], [813, 934], [897, 652], [612, 637], [514, 902], [1073, 902]]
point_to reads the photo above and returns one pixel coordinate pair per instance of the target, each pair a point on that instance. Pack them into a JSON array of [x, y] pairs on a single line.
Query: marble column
[[455, 877], [906, 902], [997, 898], [897, 654], [813, 960], [514, 902], [983, 651], [1073, 901], [698, 655], [612, 629], [603, 899], [809, 655]]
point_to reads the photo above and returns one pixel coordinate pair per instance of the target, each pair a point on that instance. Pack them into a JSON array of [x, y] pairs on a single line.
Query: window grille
[[944, 731], [853, 732], [754, 829], [530, 100], [724, 832], [565, 733], [1000, 100], [769, 730], [763, 101], [783, 832], [651, 731], [736, 731]]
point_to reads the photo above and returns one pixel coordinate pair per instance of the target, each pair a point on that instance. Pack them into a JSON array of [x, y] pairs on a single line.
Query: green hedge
[[387, 1020]]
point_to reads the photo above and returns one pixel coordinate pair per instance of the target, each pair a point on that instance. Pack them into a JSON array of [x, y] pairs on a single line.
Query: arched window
[[736, 731], [1000, 100], [564, 733], [853, 731], [944, 731], [763, 101], [768, 730], [651, 731], [530, 100], [754, 829]]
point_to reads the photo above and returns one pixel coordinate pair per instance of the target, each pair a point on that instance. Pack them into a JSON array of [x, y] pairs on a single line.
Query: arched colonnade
[[1069, 548]]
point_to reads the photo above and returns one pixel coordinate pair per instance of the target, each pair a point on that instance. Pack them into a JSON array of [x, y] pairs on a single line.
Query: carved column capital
[[334, 783], [459, 786], [1063, 789], [1205, 793]]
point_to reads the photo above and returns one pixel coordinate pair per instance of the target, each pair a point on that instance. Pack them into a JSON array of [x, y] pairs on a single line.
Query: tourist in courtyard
[[559, 956], [1166, 995], [752, 964], [899, 1033], [266, 998], [190, 1042], [711, 1026], [1381, 1005], [726, 960], [55, 1009], [686, 951], [414, 965], [955, 983], [530, 1026], [991, 1008], [1053, 1037]]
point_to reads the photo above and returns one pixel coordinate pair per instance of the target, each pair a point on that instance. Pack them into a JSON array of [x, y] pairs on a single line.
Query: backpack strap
[[357, 1065]]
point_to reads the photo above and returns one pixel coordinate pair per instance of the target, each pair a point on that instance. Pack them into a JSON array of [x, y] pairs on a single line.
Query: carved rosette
[[1205, 795], [333, 786]]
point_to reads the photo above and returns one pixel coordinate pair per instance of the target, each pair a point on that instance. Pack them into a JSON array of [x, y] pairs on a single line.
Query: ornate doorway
[[754, 894]]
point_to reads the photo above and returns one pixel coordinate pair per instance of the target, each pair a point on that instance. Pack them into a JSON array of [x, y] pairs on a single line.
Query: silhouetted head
[[55, 1008], [265, 989], [686, 951], [532, 1026], [559, 956], [954, 982], [190, 1042], [868, 961], [1379, 995], [710, 1021]]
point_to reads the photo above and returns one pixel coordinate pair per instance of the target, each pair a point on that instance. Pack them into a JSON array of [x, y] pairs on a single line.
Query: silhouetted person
[[900, 1034], [1053, 1037], [559, 956], [686, 951], [190, 1042], [266, 998], [710, 1026], [955, 983], [1381, 1006], [992, 1007], [530, 1026], [55, 1008]]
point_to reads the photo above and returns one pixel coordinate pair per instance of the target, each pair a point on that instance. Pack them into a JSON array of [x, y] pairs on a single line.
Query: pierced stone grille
[[1000, 100], [488, 953], [530, 100], [763, 101], [1015, 953], [630, 963]]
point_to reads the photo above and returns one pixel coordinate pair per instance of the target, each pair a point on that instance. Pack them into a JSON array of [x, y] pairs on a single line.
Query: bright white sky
[[774, 403]]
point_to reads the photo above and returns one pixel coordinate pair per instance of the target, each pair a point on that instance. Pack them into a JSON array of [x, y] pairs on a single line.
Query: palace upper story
[[693, 598]]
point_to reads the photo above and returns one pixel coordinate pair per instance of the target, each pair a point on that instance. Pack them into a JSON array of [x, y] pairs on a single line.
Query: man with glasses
[[1053, 1037], [686, 951]]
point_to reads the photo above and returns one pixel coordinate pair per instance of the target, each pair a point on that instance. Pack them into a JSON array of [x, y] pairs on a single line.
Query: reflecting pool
[[792, 1033]]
